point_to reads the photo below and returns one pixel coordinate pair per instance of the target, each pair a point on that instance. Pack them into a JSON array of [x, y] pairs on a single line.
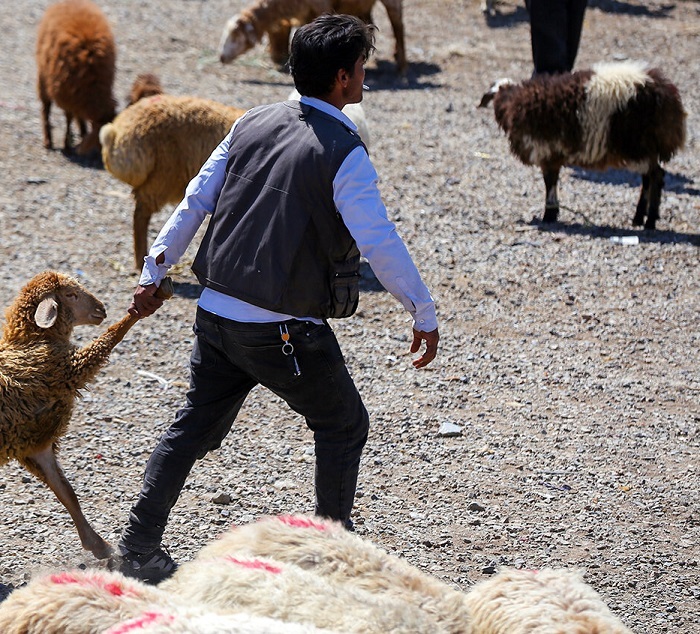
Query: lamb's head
[[238, 37], [52, 304], [495, 87]]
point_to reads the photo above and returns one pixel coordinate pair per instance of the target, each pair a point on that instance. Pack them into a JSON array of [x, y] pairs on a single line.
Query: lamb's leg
[[551, 204], [87, 361], [393, 10], [44, 465], [643, 204], [45, 116], [656, 185]]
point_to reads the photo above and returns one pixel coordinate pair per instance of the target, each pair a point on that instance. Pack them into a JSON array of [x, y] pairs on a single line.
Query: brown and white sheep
[[76, 57], [42, 373], [276, 18], [326, 549], [548, 600], [157, 145], [616, 115]]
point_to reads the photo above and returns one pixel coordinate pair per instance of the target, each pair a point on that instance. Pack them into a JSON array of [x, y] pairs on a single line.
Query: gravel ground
[[569, 362]]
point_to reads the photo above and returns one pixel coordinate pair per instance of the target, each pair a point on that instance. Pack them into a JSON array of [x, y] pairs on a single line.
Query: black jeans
[[555, 31], [229, 359]]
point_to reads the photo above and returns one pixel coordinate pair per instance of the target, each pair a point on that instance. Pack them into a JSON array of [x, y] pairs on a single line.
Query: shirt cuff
[[152, 273], [425, 320]]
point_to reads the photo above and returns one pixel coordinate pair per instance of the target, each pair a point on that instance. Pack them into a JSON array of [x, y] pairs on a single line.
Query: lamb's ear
[[46, 312]]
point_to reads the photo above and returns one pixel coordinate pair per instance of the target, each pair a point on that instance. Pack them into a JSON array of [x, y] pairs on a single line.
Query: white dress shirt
[[359, 203]]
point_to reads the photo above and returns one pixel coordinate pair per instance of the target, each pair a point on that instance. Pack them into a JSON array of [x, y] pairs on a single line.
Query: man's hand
[[145, 302], [431, 345]]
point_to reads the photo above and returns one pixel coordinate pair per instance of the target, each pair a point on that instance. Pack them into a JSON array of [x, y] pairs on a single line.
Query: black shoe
[[152, 567]]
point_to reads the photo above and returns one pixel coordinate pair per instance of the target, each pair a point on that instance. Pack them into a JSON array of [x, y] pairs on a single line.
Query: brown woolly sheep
[[277, 17], [42, 372], [619, 115], [75, 57], [327, 550], [157, 145], [551, 601]]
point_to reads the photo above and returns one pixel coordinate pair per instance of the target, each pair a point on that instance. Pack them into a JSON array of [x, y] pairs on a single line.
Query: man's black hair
[[322, 47]]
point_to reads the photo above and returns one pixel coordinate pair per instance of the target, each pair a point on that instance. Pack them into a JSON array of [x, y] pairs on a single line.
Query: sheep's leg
[[393, 10], [551, 204], [279, 42], [656, 185], [67, 141], [46, 116], [643, 204], [87, 361], [142, 216], [44, 465]]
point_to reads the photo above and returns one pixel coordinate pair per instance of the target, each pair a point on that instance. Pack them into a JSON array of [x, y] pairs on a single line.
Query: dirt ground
[[569, 362]]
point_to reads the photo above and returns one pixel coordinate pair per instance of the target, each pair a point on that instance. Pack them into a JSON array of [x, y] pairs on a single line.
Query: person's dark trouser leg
[[328, 399], [576, 13], [217, 391]]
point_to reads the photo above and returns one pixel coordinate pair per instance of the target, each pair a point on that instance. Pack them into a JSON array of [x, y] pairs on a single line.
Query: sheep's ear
[[46, 313], [487, 99]]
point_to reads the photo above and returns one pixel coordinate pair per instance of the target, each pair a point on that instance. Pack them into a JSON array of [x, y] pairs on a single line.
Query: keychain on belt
[[288, 348]]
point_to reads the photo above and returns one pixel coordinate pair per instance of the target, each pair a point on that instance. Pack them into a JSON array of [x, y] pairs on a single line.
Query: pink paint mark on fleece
[[254, 564], [301, 522], [114, 588], [140, 622]]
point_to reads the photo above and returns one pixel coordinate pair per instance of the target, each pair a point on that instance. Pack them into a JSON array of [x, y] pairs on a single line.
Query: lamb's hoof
[[638, 220], [650, 225], [102, 550]]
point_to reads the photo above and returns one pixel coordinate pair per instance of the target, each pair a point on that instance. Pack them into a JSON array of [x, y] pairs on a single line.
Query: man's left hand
[[431, 345]]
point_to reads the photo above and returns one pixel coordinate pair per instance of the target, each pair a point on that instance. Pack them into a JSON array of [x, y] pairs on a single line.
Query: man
[[293, 201], [555, 32]]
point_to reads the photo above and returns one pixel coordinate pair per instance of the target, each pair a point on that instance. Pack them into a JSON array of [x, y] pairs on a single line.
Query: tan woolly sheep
[[266, 587], [157, 146], [94, 601], [327, 550], [76, 57], [41, 374], [547, 601], [277, 17]]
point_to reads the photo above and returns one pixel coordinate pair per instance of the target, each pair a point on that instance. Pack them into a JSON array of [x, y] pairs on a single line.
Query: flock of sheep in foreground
[[621, 115], [295, 574]]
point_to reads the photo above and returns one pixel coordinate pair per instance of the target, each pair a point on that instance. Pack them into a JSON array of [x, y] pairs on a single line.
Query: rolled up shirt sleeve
[[359, 203]]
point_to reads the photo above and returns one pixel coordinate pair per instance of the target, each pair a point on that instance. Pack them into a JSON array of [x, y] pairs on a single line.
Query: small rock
[[222, 498]]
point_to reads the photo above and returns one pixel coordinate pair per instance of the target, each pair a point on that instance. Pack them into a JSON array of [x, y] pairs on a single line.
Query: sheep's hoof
[[638, 220], [650, 224], [550, 215]]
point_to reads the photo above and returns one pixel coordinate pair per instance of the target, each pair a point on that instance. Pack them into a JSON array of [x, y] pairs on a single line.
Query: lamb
[[553, 601], [326, 549], [619, 115], [145, 85], [157, 145], [277, 17], [87, 602], [76, 57], [284, 591], [42, 372]]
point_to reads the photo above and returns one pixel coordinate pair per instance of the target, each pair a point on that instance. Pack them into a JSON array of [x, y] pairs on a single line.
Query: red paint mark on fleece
[[114, 588], [147, 618], [254, 564], [301, 522]]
